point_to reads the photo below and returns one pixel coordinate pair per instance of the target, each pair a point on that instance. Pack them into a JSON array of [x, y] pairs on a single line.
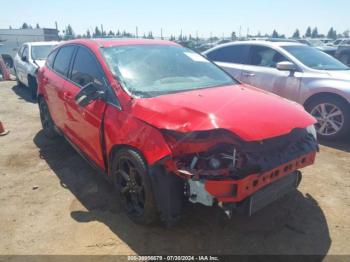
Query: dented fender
[[121, 128]]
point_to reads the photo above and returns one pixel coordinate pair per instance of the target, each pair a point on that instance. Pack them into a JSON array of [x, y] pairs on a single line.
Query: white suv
[[29, 58]]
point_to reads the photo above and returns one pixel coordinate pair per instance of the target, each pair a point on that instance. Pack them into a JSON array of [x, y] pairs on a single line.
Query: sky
[[219, 17]]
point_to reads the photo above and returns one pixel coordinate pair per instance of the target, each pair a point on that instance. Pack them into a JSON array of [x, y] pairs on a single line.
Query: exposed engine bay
[[218, 168]]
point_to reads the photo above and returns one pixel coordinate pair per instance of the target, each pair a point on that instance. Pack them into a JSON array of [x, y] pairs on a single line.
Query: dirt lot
[[52, 202]]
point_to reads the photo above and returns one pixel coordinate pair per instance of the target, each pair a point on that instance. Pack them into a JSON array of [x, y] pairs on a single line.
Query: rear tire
[[132, 182], [331, 113], [46, 120], [19, 84], [33, 86]]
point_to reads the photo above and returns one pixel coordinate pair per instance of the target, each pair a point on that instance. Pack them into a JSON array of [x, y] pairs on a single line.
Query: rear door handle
[[248, 74]]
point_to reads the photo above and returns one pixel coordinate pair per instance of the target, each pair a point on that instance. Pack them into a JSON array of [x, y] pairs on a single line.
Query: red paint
[[246, 112], [223, 190]]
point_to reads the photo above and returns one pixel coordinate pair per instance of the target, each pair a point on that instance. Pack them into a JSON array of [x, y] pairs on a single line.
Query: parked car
[[295, 71], [343, 52], [338, 41], [29, 58], [164, 124], [320, 45]]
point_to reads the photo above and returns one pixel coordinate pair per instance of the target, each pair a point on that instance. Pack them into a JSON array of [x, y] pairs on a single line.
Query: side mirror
[[89, 93], [24, 58], [286, 66]]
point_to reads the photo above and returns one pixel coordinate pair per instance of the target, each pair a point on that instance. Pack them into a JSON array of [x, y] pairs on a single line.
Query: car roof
[[108, 42], [42, 43], [262, 42]]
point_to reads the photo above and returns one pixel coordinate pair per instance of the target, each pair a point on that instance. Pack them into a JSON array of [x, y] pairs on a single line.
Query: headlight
[[312, 130]]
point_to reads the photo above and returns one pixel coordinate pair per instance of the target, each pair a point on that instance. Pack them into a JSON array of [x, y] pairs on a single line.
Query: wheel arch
[[118, 147], [323, 94]]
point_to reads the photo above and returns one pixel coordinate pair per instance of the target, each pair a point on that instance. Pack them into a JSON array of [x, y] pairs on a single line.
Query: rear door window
[[236, 54], [265, 56], [86, 69], [62, 60]]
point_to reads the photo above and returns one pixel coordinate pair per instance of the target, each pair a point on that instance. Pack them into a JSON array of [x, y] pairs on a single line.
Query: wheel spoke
[[336, 113], [335, 127]]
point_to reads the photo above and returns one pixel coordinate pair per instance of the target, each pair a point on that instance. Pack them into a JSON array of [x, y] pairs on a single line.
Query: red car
[[165, 125]]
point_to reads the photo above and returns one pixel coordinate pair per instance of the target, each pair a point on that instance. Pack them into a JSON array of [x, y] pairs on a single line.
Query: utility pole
[[240, 29], [101, 29], [137, 32], [161, 33], [247, 32]]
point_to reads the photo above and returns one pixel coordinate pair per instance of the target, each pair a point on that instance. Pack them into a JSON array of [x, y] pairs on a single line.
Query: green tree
[[97, 32], [314, 33], [275, 34], [150, 35], [233, 36], [332, 33], [24, 26], [68, 33], [346, 34], [296, 34], [37, 26], [308, 32], [88, 34]]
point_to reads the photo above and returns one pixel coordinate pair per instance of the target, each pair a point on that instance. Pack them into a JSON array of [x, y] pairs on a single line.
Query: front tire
[[33, 86], [333, 116], [46, 120], [132, 181]]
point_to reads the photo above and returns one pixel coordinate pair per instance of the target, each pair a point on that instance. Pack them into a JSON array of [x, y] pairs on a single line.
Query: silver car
[[294, 71]]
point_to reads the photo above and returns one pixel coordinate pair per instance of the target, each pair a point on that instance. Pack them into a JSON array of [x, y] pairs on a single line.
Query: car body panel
[[304, 83], [30, 66], [245, 111]]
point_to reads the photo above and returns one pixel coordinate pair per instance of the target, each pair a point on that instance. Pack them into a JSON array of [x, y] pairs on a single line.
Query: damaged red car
[[166, 126]]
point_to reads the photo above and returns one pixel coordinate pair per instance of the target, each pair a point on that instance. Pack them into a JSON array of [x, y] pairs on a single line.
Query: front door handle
[[248, 74]]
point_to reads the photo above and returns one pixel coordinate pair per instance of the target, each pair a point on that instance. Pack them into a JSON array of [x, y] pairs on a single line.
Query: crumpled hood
[[250, 113]]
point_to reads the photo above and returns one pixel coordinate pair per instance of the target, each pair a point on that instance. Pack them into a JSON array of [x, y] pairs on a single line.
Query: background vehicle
[[320, 45], [165, 124], [294, 71], [29, 58], [343, 52]]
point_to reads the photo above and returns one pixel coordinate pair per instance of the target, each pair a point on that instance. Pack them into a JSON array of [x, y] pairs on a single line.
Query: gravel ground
[[52, 202]]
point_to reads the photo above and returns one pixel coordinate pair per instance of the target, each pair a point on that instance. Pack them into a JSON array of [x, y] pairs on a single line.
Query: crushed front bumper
[[231, 191]]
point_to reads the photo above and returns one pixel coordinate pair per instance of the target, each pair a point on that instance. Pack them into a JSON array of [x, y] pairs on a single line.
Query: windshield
[[315, 59], [151, 70], [40, 52]]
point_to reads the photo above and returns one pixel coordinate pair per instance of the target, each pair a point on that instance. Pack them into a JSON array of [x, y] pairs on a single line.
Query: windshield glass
[[151, 70], [40, 52], [315, 59]]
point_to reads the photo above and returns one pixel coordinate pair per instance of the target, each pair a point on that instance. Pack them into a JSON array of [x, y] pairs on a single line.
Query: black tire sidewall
[[50, 130], [150, 213], [343, 106]]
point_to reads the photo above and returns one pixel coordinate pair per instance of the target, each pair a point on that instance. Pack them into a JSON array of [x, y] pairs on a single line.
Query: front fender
[[337, 87], [122, 129]]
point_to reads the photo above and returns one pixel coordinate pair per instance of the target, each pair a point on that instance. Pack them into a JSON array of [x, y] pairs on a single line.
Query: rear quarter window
[[51, 58], [236, 54]]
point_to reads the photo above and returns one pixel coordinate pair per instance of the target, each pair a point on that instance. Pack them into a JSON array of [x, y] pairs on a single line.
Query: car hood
[[340, 75], [250, 113]]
